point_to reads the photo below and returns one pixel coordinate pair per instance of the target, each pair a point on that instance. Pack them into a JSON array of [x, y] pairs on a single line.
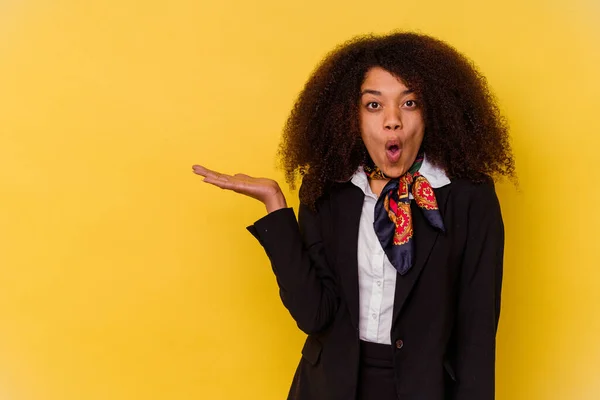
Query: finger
[[222, 177], [244, 178], [200, 170], [214, 181], [207, 173], [223, 183]]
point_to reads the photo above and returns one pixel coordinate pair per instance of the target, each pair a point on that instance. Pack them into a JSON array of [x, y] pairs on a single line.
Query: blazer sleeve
[[479, 298], [306, 282]]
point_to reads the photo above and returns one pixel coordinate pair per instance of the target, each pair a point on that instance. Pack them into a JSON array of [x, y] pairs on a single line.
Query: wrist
[[275, 202]]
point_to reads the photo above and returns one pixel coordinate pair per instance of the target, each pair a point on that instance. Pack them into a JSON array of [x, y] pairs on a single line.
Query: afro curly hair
[[465, 133]]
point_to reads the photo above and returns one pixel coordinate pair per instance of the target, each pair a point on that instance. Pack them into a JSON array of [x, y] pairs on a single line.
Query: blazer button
[[399, 344]]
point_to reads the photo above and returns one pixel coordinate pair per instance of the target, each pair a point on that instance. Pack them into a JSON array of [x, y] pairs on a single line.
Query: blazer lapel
[[425, 237], [347, 217]]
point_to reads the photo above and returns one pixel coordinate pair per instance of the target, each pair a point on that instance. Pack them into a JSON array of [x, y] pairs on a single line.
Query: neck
[[377, 185]]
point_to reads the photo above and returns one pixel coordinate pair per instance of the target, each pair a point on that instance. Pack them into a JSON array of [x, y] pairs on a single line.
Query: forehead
[[381, 80]]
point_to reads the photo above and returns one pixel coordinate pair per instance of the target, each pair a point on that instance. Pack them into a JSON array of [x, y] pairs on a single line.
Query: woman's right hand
[[262, 189]]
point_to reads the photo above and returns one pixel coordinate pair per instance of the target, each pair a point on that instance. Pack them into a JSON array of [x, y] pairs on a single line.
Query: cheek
[[414, 145], [368, 129], [418, 131], [370, 141], [418, 138]]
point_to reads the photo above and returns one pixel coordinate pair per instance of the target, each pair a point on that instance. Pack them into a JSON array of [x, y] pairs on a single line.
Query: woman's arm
[[479, 298], [306, 282]]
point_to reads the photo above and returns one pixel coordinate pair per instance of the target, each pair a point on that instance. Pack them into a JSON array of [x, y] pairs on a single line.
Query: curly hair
[[465, 133]]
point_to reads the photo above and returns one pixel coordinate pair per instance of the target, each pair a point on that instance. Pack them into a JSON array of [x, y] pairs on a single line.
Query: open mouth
[[393, 150]]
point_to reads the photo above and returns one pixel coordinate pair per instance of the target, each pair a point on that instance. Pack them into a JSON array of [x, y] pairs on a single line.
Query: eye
[[410, 104], [373, 105]]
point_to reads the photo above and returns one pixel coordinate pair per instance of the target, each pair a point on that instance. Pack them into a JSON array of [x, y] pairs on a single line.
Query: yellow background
[[123, 276]]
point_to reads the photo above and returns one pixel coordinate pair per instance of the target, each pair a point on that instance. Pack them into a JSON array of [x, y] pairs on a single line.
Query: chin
[[394, 171]]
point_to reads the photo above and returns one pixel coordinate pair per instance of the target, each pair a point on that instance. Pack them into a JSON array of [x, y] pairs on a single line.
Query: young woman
[[394, 266]]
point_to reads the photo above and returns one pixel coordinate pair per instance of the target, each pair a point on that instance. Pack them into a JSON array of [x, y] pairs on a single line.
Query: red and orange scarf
[[393, 218]]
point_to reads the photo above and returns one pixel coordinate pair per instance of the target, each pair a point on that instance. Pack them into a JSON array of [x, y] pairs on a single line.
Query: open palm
[[262, 189]]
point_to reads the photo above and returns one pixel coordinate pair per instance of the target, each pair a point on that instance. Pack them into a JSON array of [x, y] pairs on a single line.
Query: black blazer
[[446, 308]]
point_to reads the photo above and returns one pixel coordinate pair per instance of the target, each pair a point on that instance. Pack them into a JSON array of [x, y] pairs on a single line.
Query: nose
[[392, 121]]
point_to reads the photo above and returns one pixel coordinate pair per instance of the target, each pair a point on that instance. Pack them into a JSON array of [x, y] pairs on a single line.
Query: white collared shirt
[[376, 275]]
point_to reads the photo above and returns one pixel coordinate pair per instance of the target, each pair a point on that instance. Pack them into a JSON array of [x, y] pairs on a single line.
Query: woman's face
[[391, 122]]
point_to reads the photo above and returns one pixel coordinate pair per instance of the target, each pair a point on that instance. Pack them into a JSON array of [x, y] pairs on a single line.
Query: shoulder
[[466, 198], [468, 190]]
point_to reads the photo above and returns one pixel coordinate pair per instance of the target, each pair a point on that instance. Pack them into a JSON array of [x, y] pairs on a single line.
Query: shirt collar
[[436, 176]]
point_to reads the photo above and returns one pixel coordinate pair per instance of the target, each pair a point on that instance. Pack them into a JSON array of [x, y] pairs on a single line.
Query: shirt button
[[374, 315], [378, 283], [399, 344]]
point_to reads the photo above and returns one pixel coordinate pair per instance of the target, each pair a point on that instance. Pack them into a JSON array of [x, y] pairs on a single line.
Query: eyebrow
[[378, 93]]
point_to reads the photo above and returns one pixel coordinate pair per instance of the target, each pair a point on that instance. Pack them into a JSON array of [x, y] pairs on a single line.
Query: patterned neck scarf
[[393, 219]]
